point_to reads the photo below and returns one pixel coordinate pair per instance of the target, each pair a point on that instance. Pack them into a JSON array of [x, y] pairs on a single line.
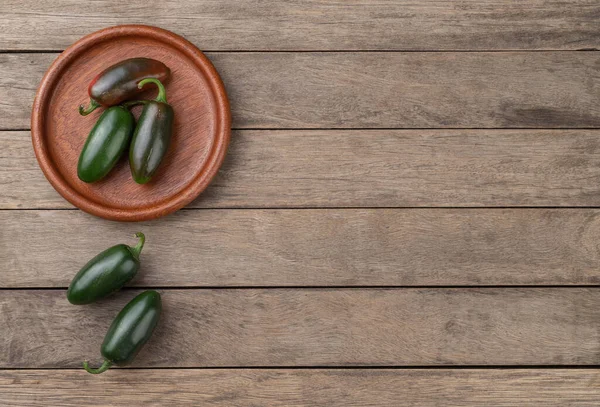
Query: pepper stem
[[105, 366], [130, 104], [84, 111], [138, 247], [162, 94]]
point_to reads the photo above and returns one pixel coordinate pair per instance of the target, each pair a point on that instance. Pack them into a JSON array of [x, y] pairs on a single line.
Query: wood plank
[[378, 90], [380, 168], [324, 327], [20, 77], [382, 247], [315, 25], [303, 388]]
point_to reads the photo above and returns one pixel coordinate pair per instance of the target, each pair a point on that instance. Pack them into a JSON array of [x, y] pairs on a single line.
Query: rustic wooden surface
[[339, 247], [304, 388], [408, 214], [316, 327], [379, 89]]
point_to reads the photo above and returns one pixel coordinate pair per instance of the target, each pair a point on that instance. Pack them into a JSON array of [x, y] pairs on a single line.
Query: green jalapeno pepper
[[129, 331], [106, 273], [119, 82], [105, 144], [152, 135]]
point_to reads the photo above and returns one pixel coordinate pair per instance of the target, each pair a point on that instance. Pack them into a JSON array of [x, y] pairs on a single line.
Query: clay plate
[[201, 131]]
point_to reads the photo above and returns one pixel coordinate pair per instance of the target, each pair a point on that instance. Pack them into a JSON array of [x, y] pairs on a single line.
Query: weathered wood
[[379, 90], [21, 179], [323, 327], [303, 388], [20, 76], [314, 247], [382, 168], [315, 25], [333, 168]]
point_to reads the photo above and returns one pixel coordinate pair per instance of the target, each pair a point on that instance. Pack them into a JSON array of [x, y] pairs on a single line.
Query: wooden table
[[408, 214]]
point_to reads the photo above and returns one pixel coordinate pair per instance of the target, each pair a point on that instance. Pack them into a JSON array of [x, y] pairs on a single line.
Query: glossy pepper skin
[[129, 331], [106, 273], [119, 82], [105, 144], [152, 135]]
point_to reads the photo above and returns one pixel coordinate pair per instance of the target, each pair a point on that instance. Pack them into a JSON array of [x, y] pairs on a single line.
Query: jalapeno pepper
[[105, 144], [129, 331], [106, 273], [119, 82], [152, 135]]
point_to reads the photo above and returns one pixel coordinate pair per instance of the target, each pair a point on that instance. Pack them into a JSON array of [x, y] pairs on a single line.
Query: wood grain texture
[[303, 388], [380, 168], [324, 327], [20, 76], [381, 247], [380, 90], [329, 168], [316, 24]]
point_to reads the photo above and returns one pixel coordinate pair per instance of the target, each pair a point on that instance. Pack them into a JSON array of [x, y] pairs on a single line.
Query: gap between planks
[[319, 287], [333, 51], [318, 368], [376, 168]]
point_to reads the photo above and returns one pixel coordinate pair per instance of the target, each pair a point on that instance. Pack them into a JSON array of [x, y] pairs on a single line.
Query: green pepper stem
[[84, 111], [138, 247], [105, 366], [130, 104], [162, 94]]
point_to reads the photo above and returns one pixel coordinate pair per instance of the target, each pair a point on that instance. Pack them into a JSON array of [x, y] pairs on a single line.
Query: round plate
[[200, 135]]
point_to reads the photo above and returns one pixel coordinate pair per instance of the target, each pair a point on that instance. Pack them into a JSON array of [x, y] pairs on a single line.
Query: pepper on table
[[129, 331], [119, 82], [106, 273]]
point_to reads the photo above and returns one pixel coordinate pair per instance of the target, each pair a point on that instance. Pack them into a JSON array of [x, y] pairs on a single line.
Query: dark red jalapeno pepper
[[120, 82], [152, 135]]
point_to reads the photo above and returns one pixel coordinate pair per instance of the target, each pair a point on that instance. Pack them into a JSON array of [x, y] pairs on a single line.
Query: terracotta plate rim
[[172, 203]]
